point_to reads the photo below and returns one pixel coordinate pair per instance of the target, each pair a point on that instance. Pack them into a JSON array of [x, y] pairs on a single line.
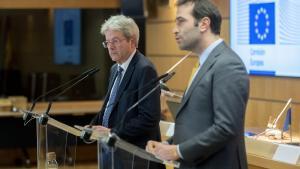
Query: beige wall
[[267, 94]]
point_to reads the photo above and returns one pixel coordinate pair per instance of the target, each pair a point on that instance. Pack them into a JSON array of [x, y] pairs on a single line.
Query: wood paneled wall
[[161, 46], [267, 94]]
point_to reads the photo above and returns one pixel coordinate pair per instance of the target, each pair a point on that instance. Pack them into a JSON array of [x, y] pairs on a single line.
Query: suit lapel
[[127, 75], [125, 80], [204, 68], [110, 85]]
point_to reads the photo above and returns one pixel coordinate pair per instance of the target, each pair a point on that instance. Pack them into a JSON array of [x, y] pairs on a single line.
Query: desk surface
[[63, 108], [265, 163], [260, 154]]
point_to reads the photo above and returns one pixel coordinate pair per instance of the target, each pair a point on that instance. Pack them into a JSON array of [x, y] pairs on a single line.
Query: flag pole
[[274, 124]]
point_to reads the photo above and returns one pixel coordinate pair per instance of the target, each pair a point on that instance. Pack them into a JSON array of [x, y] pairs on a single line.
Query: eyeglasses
[[115, 42]]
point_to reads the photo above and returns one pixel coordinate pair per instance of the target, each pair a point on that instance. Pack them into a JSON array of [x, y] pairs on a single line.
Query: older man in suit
[[128, 83], [209, 124]]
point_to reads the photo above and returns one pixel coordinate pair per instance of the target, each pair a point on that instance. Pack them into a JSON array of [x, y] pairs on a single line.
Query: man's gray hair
[[123, 24]]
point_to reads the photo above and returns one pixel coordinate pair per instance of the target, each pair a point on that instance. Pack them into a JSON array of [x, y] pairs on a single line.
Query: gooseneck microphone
[[28, 115], [44, 117], [150, 83], [61, 86], [164, 78]]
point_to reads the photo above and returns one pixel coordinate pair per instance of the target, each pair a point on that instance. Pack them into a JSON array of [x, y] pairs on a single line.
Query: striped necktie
[[111, 102]]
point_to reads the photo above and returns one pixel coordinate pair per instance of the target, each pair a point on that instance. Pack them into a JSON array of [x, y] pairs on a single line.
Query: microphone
[[166, 91], [27, 116], [274, 124], [44, 117], [163, 86], [164, 78], [167, 77], [163, 81], [153, 81], [61, 86]]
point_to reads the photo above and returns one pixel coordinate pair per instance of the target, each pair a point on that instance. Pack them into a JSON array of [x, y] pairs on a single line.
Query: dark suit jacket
[[209, 125], [142, 123]]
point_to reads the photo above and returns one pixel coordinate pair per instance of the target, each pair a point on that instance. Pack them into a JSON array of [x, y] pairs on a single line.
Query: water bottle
[[51, 161]]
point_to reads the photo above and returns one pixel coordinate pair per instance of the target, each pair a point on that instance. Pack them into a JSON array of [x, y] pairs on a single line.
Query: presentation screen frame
[[264, 33], [67, 36]]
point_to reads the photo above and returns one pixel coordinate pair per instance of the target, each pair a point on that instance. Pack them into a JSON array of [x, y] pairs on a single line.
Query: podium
[[59, 138], [113, 152]]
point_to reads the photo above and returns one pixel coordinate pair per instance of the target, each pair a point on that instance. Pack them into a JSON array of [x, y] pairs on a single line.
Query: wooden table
[[62, 108]]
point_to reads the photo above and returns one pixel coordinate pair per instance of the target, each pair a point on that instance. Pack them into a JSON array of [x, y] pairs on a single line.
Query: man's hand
[[162, 151], [101, 129]]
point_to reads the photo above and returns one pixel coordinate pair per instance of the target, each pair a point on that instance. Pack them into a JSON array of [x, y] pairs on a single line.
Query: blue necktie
[[112, 97]]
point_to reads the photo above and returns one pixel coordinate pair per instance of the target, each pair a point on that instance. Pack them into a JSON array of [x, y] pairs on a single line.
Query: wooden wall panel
[[225, 30], [164, 13], [160, 39], [223, 6], [183, 72], [259, 111], [277, 88], [159, 33]]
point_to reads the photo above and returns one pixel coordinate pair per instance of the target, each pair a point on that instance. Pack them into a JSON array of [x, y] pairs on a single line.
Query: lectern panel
[[116, 158], [53, 139]]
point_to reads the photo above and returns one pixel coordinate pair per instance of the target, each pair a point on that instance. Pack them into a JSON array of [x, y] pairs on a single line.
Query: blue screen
[[67, 36]]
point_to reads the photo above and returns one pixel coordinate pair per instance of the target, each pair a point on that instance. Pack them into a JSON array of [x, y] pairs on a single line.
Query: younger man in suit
[[209, 125]]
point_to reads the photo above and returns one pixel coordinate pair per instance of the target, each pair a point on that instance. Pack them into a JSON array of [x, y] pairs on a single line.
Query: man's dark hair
[[205, 8]]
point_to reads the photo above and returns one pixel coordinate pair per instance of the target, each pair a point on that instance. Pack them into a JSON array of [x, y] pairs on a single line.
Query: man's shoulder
[[229, 56], [143, 61]]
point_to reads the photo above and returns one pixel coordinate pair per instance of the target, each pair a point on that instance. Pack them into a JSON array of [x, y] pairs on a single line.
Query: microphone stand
[[44, 117], [271, 129], [164, 88], [63, 85], [274, 124], [182, 59], [27, 116], [150, 92]]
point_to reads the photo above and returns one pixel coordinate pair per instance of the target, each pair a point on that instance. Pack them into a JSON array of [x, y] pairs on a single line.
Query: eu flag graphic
[[262, 23]]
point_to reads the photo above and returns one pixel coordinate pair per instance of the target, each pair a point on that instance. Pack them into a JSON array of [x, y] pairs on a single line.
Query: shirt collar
[[208, 50], [125, 65]]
